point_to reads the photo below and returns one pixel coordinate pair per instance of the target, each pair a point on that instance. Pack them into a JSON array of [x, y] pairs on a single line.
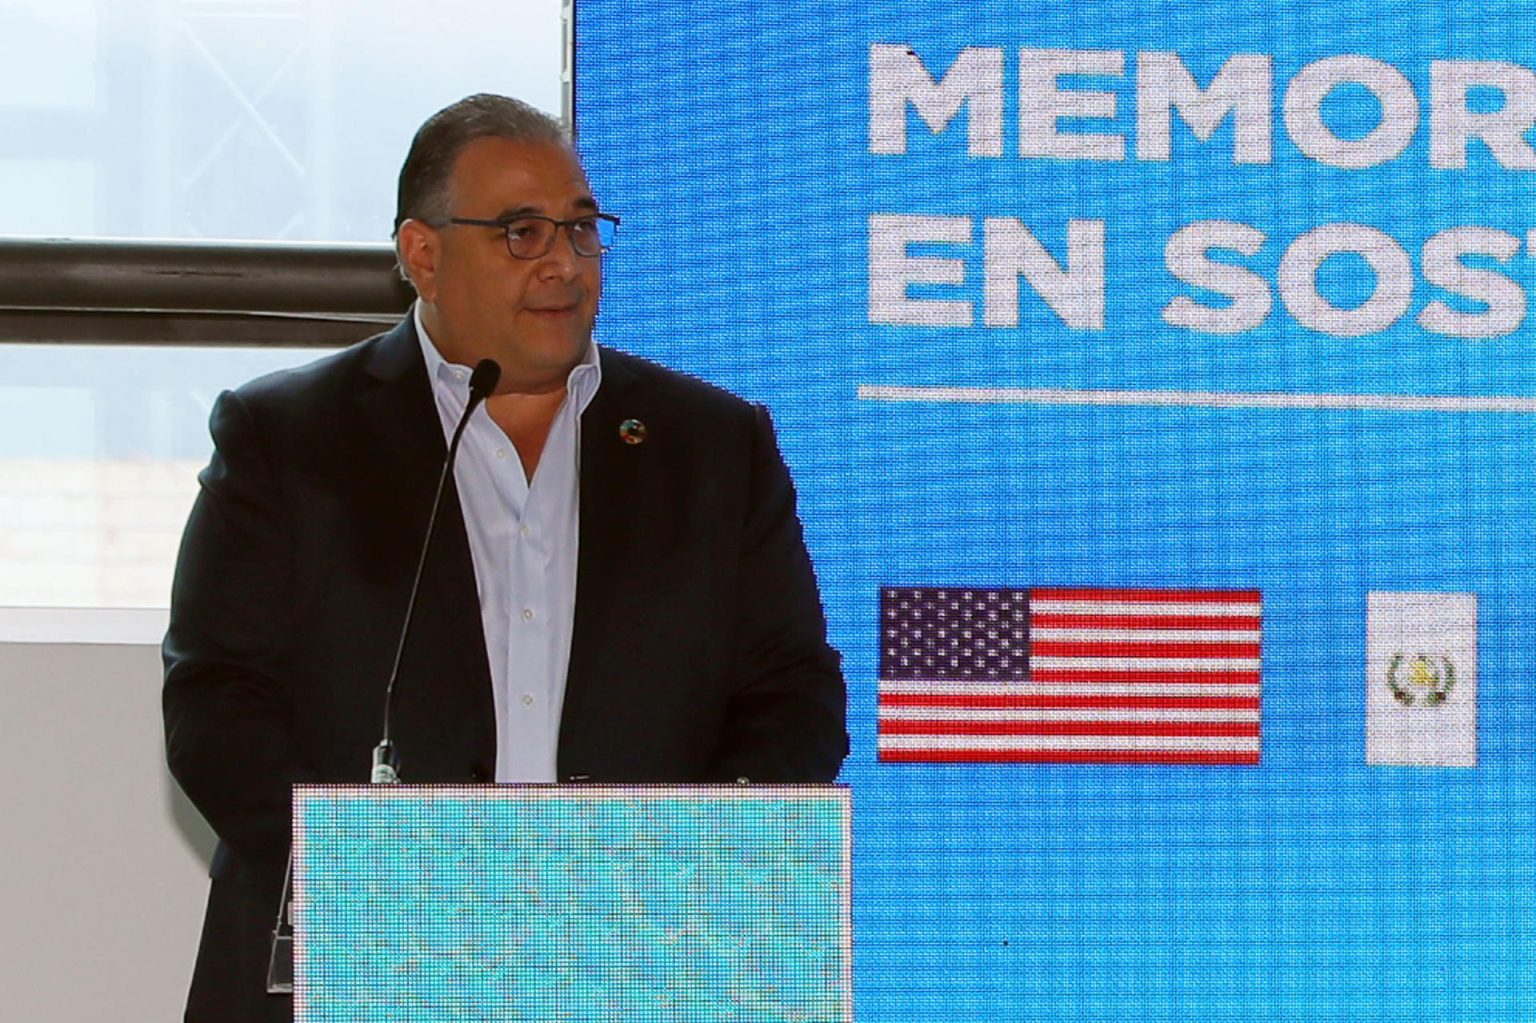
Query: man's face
[[533, 316]]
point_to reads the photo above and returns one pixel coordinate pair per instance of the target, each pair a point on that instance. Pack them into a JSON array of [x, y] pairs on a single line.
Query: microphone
[[280, 961], [481, 383]]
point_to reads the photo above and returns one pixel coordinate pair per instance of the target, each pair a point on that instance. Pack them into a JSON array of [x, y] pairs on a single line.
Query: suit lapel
[[400, 418], [397, 403], [612, 474]]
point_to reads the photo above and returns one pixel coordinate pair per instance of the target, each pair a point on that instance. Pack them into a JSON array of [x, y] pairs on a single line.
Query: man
[[618, 590]]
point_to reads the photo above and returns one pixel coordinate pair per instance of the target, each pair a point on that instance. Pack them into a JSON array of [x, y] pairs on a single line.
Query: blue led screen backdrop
[[1086, 307]]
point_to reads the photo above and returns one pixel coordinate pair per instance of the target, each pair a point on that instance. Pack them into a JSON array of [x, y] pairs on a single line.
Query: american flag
[[1069, 675]]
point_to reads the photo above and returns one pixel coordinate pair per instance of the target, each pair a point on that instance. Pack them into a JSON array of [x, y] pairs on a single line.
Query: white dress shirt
[[522, 537]]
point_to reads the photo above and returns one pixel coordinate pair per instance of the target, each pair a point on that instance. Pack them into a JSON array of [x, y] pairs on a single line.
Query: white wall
[[105, 862]]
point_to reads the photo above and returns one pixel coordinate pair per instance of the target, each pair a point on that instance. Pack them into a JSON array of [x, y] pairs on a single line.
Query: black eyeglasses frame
[[505, 224]]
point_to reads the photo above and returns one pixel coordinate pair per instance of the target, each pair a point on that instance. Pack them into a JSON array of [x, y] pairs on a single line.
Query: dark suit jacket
[[698, 650]]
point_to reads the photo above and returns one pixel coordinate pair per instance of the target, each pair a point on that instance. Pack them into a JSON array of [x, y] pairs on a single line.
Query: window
[[263, 139]]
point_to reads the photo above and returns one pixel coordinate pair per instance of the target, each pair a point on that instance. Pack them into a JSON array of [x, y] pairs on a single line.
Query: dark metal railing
[[203, 293]]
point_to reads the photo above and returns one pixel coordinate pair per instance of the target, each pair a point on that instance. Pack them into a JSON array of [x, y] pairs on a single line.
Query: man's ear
[[416, 247]]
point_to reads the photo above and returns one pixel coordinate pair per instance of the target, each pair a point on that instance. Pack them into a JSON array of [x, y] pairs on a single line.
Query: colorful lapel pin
[[632, 431]]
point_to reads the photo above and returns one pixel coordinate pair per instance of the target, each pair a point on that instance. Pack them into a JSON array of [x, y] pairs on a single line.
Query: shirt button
[[523, 530], [527, 699], [501, 452], [527, 614]]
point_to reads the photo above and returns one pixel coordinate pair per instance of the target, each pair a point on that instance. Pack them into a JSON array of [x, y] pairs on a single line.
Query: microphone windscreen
[[483, 380]]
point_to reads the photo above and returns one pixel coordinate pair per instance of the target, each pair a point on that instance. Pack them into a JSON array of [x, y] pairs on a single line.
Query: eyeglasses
[[532, 236]]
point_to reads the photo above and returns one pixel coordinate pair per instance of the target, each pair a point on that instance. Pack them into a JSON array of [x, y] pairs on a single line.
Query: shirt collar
[[580, 385]]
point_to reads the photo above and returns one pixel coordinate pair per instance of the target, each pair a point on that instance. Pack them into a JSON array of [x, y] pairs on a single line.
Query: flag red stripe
[[1217, 623], [954, 756], [1192, 675], [996, 702], [1150, 596], [1170, 728], [1077, 648]]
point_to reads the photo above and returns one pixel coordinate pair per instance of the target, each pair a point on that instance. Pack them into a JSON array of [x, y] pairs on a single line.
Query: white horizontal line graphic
[[1197, 399]]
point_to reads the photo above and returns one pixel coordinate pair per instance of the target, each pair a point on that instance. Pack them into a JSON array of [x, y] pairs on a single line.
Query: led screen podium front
[[572, 903]]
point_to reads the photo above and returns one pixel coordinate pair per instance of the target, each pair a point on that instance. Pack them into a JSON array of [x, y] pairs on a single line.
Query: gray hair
[[423, 193]]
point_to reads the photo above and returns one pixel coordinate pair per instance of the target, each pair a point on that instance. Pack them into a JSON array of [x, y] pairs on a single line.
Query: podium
[[572, 903]]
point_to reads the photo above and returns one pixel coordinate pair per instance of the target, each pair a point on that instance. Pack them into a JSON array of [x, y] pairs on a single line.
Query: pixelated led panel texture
[[572, 903]]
